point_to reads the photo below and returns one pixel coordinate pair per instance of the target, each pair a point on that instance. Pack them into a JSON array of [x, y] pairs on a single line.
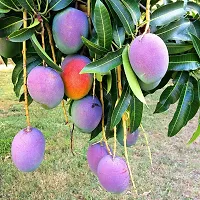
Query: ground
[[174, 175]]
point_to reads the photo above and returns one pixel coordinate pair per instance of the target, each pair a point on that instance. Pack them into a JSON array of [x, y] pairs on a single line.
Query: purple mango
[[68, 27], [95, 153], [45, 86], [131, 137], [86, 113], [149, 58], [27, 149], [113, 174]]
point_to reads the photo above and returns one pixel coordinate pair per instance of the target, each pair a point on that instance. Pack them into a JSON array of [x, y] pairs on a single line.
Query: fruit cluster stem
[[54, 59], [51, 41], [148, 5], [42, 37], [25, 73], [102, 121], [147, 143], [119, 84]]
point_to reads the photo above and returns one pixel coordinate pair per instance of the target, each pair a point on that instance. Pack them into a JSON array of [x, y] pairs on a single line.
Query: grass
[[175, 173]]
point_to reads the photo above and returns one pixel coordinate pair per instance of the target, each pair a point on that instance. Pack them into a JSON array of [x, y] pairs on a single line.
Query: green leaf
[[194, 6], [123, 15], [5, 60], [109, 81], [7, 4], [118, 35], [136, 110], [103, 25], [20, 81], [172, 93], [174, 48], [195, 103], [9, 24], [196, 43], [56, 5], [121, 107], [43, 54], [30, 100], [24, 33], [184, 62], [167, 13], [19, 67], [182, 110], [133, 8], [131, 77], [195, 135], [96, 132], [105, 64], [178, 30], [27, 4], [94, 47], [4, 10]]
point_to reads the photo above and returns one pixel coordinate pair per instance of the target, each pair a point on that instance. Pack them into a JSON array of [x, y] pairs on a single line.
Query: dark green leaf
[[136, 110], [96, 131], [131, 77], [109, 81], [196, 43], [194, 6], [27, 4], [184, 62], [5, 60], [118, 35], [178, 30], [24, 33], [7, 4], [182, 111], [30, 100], [103, 25], [56, 5], [121, 107], [167, 13], [105, 64], [19, 67], [174, 48], [4, 10], [43, 54], [9, 24], [196, 25], [94, 47], [20, 81], [172, 93], [133, 8], [195, 103], [124, 15]]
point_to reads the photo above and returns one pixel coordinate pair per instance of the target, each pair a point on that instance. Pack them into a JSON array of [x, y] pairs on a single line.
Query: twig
[[147, 143], [119, 84], [25, 74], [102, 121]]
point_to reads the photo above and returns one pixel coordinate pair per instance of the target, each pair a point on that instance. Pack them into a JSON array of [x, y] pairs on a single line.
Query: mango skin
[[95, 153], [9, 49], [86, 113], [67, 28], [149, 57], [113, 174], [148, 86], [28, 149], [76, 85], [131, 137], [45, 86]]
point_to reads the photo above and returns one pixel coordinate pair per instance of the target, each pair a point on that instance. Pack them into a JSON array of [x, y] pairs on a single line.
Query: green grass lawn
[[175, 173]]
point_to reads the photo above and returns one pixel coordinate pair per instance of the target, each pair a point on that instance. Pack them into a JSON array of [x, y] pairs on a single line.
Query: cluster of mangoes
[[148, 56]]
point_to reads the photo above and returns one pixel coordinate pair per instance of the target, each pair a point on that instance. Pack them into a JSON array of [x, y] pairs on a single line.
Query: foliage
[[113, 25]]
